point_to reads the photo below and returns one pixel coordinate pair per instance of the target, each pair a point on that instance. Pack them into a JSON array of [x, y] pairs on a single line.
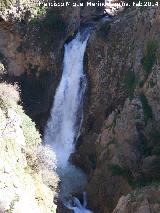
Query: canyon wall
[[27, 169], [31, 44], [119, 145]]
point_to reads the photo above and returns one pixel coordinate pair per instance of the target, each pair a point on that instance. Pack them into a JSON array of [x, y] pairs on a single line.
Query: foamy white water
[[63, 126], [66, 117], [77, 207]]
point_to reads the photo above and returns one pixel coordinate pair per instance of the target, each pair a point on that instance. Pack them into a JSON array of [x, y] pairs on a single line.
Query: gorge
[[79, 111]]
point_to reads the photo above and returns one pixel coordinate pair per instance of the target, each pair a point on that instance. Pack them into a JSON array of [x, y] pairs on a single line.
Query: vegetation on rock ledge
[[24, 160]]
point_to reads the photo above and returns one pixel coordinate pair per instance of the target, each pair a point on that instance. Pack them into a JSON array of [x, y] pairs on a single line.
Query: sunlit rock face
[[23, 188], [143, 200], [31, 42], [119, 145], [121, 121]]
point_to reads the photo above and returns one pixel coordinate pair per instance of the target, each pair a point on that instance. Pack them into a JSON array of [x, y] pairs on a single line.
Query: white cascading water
[[66, 117]]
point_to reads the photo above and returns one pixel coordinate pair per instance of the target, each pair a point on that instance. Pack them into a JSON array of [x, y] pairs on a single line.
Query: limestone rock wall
[[31, 45], [23, 186], [119, 144]]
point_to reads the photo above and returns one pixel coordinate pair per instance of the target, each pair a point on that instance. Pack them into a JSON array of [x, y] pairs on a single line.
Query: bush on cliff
[[5, 4], [31, 135], [129, 81], [41, 159], [53, 21], [103, 31], [147, 110], [119, 171], [50, 24], [9, 95], [149, 58]]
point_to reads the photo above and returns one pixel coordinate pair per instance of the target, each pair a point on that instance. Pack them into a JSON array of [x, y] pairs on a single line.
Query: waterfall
[[64, 124], [77, 207]]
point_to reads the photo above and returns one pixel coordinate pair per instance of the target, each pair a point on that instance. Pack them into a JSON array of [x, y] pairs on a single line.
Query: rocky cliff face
[[32, 38], [141, 200], [32, 48], [31, 53], [119, 146], [25, 186]]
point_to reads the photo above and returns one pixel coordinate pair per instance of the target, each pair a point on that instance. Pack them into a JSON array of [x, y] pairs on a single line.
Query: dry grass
[[9, 95], [41, 159], [5, 4]]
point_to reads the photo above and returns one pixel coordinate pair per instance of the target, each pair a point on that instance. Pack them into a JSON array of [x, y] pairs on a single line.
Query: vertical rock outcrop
[[119, 144], [28, 180]]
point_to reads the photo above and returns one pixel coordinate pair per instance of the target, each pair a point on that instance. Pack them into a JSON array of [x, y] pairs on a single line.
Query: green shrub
[[53, 210], [144, 148], [54, 21], [118, 170], [51, 22], [5, 4], [48, 28], [150, 58], [31, 135], [147, 110], [110, 203], [129, 81], [155, 135], [113, 141], [1, 56], [152, 83], [156, 150], [41, 159], [9, 96], [39, 9], [150, 146], [103, 31], [155, 142], [12, 204]]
